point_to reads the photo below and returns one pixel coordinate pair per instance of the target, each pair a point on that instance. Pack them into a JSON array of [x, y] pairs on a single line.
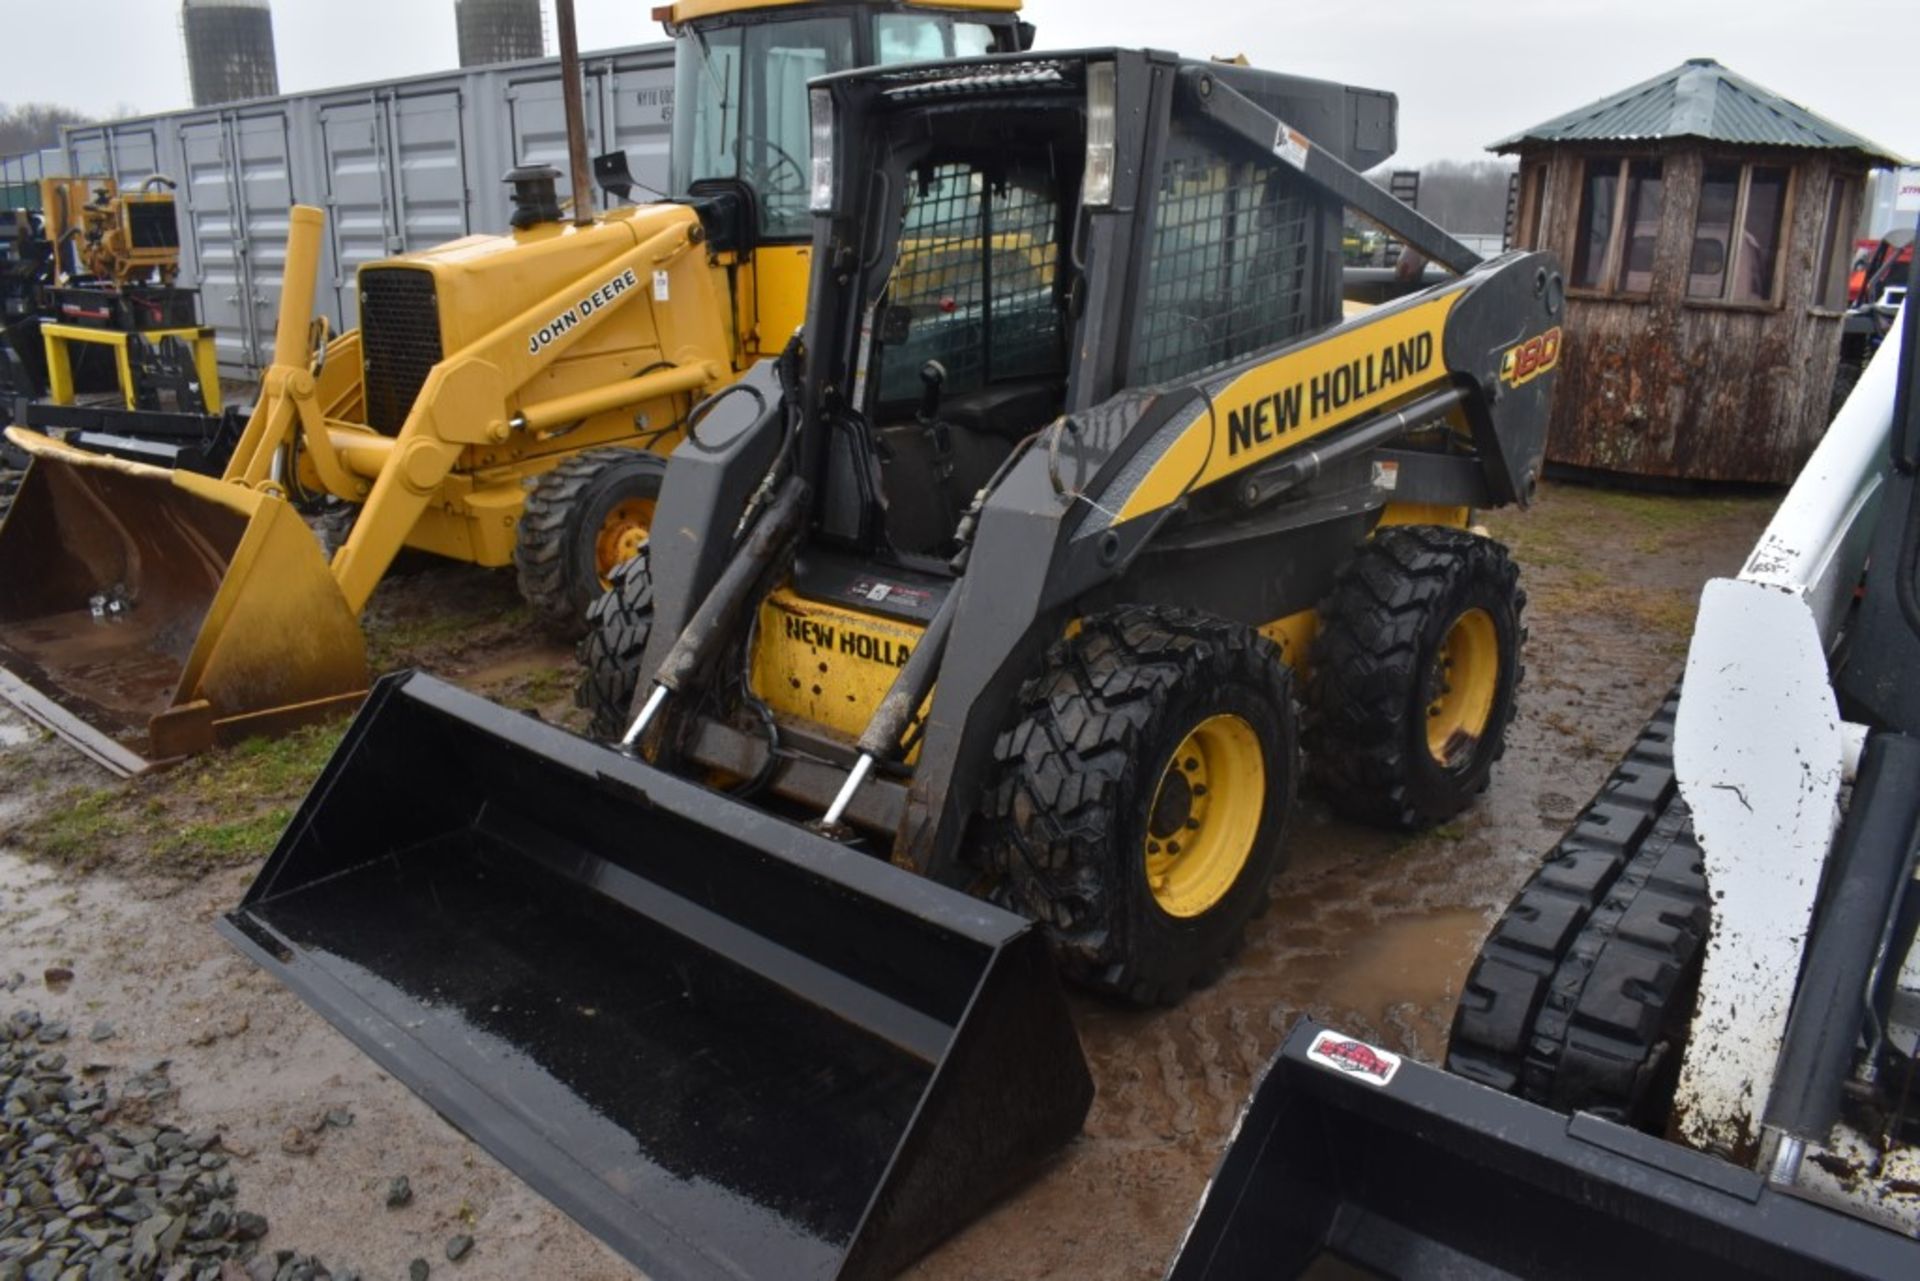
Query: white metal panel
[[640, 105], [266, 189], [428, 163], [1760, 755], [353, 139], [400, 165], [210, 217], [538, 123]]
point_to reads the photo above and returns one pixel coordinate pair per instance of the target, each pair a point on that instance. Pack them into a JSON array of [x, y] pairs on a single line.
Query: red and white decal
[[1338, 1052]]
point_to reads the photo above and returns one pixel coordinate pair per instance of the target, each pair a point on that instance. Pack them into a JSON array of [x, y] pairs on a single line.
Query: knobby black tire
[[1371, 661], [1065, 820], [553, 552], [1581, 997], [618, 625]]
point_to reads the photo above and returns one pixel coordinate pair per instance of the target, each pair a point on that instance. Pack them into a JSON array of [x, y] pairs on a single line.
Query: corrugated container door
[[430, 177], [266, 194], [353, 139], [640, 104], [213, 219], [539, 123]]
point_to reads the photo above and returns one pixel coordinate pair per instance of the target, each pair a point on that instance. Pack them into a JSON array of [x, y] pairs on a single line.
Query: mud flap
[[1349, 1157], [146, 613], [725, 1045]]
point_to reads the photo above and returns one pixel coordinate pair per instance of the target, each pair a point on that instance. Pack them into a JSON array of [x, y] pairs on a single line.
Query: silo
[[229, 50], [498, 31]]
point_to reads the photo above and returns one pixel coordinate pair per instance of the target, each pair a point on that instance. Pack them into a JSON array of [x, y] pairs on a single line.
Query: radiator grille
[[399, 341], [151, 225]]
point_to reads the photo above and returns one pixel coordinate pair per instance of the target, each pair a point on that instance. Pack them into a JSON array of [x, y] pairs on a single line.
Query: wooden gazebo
[[1705, 224]]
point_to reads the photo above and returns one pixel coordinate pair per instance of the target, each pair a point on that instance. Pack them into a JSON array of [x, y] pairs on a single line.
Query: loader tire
[[1414, 674], [581, 520], [618, 625], [1148, 726], [1581, 998]]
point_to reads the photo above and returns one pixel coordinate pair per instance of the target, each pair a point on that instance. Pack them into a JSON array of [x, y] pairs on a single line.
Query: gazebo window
[[1830, 279], [1743, 267], [1619, 224]]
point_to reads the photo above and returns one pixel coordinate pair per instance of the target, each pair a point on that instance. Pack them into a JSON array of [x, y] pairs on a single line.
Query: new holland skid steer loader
[[1000, 581], [1691, 1046], [507, 400]]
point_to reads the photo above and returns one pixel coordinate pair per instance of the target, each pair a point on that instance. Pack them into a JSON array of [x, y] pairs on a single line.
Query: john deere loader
[[972, 631], [507, 400]]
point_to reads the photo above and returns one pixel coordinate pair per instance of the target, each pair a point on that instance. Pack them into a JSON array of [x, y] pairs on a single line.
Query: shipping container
[[397, 166]]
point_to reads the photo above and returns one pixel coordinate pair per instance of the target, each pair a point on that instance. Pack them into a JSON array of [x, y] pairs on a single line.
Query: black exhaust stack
[[727, 1046]]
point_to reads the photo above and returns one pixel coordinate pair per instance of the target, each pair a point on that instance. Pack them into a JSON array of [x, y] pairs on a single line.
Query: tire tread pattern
[[1366, 665], [1054, 812], [618, 625], [541, 540]]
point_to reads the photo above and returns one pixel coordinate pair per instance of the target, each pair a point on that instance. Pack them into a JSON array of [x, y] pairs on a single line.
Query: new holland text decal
[[1338, 1052], [1320, 396], [566, 320], [1530, 359]]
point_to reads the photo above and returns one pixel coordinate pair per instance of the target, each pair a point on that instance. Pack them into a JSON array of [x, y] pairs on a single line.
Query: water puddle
[[1422, 960], [14, 732]]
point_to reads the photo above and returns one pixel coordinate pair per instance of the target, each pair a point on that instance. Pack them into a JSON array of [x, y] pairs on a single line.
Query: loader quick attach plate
[[727, 1046], [1349, 1154]]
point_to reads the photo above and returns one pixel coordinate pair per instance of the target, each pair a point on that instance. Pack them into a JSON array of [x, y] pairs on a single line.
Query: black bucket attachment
[[1352, 1162], [725, 1045]]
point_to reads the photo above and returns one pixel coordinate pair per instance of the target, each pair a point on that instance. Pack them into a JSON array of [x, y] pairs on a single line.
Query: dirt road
[[1369, 931]]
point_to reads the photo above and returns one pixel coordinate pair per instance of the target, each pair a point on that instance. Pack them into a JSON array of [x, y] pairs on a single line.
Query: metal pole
[[570, 91]]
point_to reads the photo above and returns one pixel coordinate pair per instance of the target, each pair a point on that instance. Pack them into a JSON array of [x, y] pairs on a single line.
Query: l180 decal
[[1531, 358]]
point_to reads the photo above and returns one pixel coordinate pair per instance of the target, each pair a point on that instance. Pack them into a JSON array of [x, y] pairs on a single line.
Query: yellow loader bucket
[[147, 614]]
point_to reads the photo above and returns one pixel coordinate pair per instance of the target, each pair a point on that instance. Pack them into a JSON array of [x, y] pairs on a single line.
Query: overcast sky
[[1467, 71]]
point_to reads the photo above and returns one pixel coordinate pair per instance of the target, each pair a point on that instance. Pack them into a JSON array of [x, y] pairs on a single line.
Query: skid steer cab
[[508, 399], [1008, 580]]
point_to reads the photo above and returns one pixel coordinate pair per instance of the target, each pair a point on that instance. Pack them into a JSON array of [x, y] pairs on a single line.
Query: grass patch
[[223, 843], [80, 828], [223, 808]]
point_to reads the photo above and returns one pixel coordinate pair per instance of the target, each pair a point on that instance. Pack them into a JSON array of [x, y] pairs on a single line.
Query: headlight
[[1096, 187], [820, 108]]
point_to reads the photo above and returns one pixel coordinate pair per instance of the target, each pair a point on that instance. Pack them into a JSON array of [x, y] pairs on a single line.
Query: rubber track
[[1585, 976], [1366, 663], [1053, 813], [618, 625], [540, 541]]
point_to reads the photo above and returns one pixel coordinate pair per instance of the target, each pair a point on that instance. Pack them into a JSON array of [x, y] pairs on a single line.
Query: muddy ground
[[1373, 932]]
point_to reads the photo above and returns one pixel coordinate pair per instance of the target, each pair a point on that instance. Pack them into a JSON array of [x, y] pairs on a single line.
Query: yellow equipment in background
[[506, 400], [99, 231]]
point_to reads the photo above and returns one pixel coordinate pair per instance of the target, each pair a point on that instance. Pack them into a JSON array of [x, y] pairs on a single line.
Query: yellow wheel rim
[[622, 534], [1466, 676], [1205, 815]]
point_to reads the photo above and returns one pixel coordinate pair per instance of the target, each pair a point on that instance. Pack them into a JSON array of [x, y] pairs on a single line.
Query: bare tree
[[30, 126], [1467, 197]]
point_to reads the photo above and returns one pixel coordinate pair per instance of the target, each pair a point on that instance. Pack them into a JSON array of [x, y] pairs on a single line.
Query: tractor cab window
[[970, 349], [741, 95], [973, 286], [921, 37]]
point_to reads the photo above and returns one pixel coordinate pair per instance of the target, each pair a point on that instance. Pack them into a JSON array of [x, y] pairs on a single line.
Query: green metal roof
[[1699, 99]]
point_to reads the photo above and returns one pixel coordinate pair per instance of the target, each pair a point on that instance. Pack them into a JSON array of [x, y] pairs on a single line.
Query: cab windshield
[[740, 96]]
